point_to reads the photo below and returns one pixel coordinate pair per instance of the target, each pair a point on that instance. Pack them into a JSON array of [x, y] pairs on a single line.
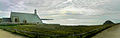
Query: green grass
[[50, 30]]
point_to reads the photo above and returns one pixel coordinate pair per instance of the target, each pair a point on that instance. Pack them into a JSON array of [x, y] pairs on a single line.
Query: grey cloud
[[92, 10]]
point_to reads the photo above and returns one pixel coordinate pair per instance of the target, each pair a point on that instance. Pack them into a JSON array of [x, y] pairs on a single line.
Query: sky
[[83, 12]]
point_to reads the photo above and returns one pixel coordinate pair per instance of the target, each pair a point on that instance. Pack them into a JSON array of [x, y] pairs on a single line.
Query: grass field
[[48, 31]]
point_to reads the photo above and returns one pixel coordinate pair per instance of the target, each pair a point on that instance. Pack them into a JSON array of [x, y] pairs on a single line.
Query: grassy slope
[[49, 30]]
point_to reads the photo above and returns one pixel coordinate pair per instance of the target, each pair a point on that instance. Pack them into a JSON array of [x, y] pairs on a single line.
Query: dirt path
[[113, 32], [5, 34]]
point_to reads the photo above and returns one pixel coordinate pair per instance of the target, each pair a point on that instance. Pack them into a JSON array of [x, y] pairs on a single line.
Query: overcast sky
[[66, 11]]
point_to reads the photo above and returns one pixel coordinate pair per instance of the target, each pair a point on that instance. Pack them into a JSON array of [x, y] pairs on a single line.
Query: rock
[[109, 22]]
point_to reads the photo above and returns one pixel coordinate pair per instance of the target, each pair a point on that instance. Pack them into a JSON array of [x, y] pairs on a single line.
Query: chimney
[[35, 11]]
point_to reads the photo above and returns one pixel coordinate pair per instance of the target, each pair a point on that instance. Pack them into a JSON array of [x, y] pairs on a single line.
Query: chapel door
[[16, 20]]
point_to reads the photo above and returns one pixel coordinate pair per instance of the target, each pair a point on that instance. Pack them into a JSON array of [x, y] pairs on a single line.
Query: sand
[[5, 34], [113, 32]]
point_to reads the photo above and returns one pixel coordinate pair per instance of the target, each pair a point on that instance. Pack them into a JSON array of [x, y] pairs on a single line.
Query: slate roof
[[31, 18], [6, 19]]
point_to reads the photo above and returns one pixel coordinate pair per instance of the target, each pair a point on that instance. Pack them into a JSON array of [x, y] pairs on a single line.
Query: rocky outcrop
[[109, 22]]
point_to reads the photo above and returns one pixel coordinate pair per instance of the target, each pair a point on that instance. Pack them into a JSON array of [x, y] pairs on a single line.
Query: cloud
[[66, 11], [4, 14]]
